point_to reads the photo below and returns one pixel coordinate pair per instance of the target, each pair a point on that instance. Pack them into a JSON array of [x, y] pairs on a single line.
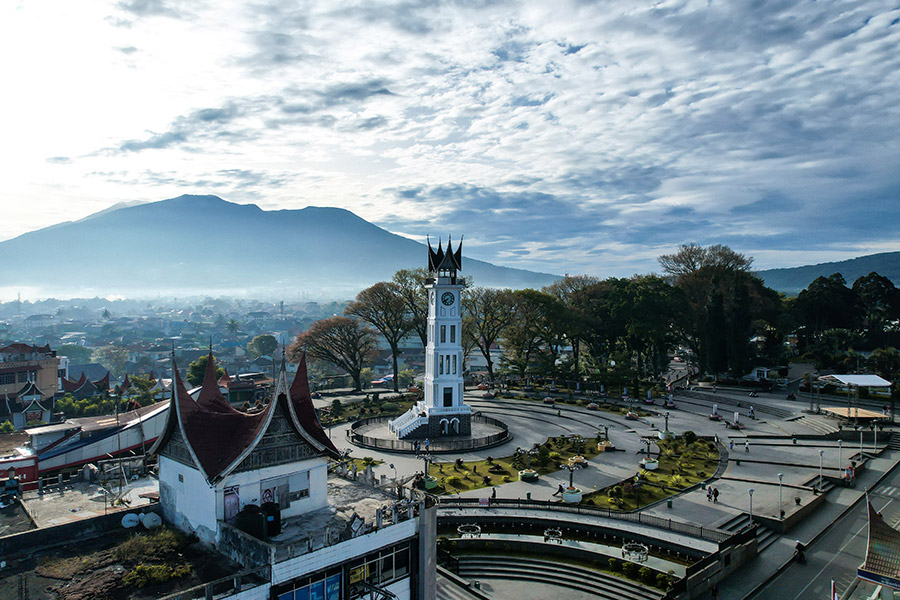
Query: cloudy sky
[[557, 136]]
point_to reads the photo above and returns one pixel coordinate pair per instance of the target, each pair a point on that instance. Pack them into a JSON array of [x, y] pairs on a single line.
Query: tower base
[[439, 426]]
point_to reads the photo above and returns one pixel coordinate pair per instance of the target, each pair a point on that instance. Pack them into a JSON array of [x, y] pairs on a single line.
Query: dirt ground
[[14, 519], [94, 569], [11, 441]]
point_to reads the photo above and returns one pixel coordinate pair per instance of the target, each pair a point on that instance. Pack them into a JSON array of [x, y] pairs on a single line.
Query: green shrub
[[454, 481], [144, 575], [7, 427], [689, 437], [647, 575], [506, 479], [630, 569], [662, 581], [554, 455], [614, 565], [389, 407]]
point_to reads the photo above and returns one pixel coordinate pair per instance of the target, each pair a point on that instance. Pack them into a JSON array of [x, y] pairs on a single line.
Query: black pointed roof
[[441, 260]]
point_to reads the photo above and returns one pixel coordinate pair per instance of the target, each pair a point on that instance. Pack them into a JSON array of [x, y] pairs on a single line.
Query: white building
[[255, 486], [443, 412]]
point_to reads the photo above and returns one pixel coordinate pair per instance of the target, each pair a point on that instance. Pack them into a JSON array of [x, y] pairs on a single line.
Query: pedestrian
[[746, 446], [715, 495], [714, 592], [731, 444], [427, 444], [494, 494], [709, 494], [559, 490], [417, 445], [752, 414]]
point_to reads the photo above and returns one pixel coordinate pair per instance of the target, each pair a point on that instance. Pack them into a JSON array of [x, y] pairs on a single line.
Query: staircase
[[894, 442], [408, 421], [601, 585], [818, 424], [765, 537]]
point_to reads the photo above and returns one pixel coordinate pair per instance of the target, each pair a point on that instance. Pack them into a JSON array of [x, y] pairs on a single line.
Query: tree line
[[706, 300]]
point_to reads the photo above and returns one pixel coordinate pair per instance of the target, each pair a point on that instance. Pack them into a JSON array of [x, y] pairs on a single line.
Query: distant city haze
[[559, 137]]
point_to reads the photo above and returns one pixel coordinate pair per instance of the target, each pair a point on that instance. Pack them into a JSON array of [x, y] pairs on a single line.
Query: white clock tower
[[443, 412]]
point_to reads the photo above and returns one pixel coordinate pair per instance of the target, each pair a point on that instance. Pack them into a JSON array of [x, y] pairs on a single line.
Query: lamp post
[[750, 491], [821, 457], [840, 454], [875, 439], [860, 444], [395, 470], [780, 505]]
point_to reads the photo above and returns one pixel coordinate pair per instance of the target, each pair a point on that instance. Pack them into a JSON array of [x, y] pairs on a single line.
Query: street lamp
[[750, 491], [860, 444], [395, 470], [840, 454], [821, 455], [780, 482]]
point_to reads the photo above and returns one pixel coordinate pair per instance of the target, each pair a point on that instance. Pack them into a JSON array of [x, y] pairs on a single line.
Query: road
[[838, 553]]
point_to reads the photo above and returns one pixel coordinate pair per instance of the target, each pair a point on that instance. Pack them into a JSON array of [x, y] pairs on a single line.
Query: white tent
[[856, 380]]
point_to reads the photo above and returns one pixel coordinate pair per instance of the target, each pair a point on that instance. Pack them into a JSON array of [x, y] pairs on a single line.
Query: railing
[[436, 445], [230, 585], [698, 531], [403, 420]]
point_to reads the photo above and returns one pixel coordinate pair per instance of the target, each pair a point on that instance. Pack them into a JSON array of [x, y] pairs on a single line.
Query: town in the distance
[[691, 434]]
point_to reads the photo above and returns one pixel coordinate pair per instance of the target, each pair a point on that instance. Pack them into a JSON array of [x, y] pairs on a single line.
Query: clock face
[[447, 298]]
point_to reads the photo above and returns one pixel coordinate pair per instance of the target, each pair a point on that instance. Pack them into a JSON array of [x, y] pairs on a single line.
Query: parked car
[[593, 406], [549, 400]]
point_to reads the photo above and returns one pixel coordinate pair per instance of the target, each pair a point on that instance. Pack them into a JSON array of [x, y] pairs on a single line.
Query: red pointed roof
[[70, 386], [211, 397], [305, 412], [126, 384], [102, 384]]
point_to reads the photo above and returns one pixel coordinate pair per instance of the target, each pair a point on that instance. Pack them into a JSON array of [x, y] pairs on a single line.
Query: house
[[255, 486], [23, 363]]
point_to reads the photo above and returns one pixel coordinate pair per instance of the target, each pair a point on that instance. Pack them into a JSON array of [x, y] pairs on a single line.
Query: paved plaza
[[783, 439]]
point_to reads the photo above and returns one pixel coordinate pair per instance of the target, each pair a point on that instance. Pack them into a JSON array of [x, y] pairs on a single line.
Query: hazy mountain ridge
[[793, 280], [204, 244]]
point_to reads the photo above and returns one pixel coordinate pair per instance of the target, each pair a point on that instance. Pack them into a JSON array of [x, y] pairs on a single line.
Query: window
[[378, 568], [324, 585], [453, 334], [443, 333], [448, 396], [7, 378], [447, 360], [22, 376], [441, 365], [454, 364]]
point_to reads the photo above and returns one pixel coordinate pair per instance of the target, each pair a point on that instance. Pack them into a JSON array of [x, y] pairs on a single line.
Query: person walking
[[731, 444], [494, 494], [427, 444], [746, 446], [559, 490], [715, 495], [709, 494]]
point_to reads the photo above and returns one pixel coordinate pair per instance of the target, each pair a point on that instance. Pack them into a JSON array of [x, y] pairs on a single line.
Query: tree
[[262, 345], [233, 326], [570, 290], [197, 370], [76, 354], [879, 302], [487, 312], [690, 258], [140, 389], [106, 314], [383, 307], [112, 357], [533, 331], [341, 341], [411, 287], [827, 303]]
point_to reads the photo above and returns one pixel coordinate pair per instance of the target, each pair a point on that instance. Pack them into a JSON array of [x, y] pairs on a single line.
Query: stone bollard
[[379, 518], [59, 482]]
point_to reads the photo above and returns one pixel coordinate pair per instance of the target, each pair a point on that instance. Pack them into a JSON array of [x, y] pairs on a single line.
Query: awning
[[856, 380]]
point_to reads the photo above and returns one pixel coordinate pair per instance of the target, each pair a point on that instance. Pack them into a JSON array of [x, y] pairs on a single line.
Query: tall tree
[[382, 306], [827, 303], [534, 328], [197, 370], [690, 258], [879, 302], [571, 290], [341, 341], [112, 357], [233, 326], [411, 287], [262, 345], [486, 313]]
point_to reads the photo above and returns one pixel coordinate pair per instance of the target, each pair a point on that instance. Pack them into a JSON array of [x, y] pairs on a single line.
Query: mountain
[[205, 245], [792, 281]]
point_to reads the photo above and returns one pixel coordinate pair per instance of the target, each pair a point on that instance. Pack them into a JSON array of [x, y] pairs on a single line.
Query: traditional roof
[[882, 563], [20, 348], [303, 409], [70, 386], [29, 390], [102, 384], [441, 259], [218, 437], [126, 385]]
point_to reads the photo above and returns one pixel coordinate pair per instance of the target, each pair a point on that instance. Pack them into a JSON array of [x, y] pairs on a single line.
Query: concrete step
[[765, 537], [735, 523], [817, 424], [604, 586], [894, 442], [447, 590]]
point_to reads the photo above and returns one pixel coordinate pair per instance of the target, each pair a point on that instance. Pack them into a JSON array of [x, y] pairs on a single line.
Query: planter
[[528, 475], [431, 482], [572, 494], [666, 435], [605, 446], [651, 464], [577, 460]]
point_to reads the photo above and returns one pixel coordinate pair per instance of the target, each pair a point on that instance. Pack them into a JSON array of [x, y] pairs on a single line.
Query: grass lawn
[[354, 411], [361, 463], [454, 477], [680, 466]]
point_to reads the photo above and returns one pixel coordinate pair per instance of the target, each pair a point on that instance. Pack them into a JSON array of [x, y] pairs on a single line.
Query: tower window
[[447, 359], [448, 396], [454, 364], [440, 365], [444, 333], [453, 334]]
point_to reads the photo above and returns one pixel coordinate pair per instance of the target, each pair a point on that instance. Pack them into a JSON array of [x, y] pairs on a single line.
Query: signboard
[[360, 573], [333, 587], [484, 502], [879, 579]]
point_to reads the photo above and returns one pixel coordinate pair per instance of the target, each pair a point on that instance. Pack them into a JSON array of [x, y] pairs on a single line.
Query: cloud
[[154, 8], [59, 160]]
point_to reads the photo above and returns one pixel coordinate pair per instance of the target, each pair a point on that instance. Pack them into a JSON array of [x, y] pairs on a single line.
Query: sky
[[563, 137]]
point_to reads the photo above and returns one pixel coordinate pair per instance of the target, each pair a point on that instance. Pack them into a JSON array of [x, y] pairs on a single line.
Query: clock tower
[[443, 412]]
